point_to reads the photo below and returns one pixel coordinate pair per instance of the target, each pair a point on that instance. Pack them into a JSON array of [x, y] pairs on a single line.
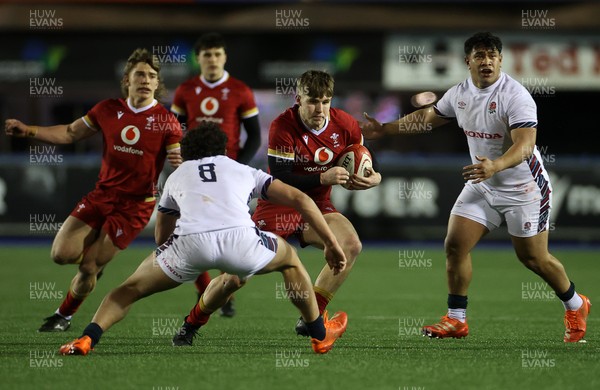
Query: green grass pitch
[[516, 327]]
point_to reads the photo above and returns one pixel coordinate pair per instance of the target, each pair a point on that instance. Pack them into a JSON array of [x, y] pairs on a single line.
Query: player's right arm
[[286, 195], [167, 216], [59, 134], [283, 170], [428, 117], [282, 159], [165, 225]]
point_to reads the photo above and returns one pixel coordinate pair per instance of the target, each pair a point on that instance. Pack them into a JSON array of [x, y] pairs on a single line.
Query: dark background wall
[[80, 48]]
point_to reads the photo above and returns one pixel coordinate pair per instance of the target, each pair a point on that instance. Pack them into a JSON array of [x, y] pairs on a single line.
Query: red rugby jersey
[[135, 144], [313, 151], [227, 102]]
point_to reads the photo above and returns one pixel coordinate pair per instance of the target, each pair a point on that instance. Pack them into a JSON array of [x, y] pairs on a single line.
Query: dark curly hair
[[483, 39], [203, 141]]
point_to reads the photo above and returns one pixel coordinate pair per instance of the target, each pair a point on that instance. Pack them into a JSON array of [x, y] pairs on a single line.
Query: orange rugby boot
[[80, 346], [334, 328], [576, 322], [447, 327]]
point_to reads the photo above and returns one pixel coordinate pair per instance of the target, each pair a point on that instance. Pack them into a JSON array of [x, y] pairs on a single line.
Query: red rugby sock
[[199, 315], [202, 282], [70, 305], [323, 297]]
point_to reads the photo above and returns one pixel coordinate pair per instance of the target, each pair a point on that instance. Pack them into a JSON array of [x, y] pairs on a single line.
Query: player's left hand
[[335, 257], [174, 158], [364, 183], [479, 172]]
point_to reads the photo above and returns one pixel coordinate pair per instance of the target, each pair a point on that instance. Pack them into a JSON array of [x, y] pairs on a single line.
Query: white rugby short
[[240, 251], [526, 210]]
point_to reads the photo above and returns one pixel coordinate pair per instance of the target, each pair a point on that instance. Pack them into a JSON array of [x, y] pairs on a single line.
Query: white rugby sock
[[458, 314], [574, 303], [68, 318]]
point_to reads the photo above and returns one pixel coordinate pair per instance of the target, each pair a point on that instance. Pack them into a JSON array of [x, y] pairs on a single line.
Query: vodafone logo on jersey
[[130, 135], [323, 156], [209, 106]]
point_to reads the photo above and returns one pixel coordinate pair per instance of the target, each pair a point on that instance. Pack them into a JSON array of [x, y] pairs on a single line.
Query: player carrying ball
[[203, 223], [304, 143]]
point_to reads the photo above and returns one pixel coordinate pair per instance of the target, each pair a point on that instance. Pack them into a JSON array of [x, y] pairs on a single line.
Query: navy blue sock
[[567, 294], [457, 301], [316, 329], [94, 331]]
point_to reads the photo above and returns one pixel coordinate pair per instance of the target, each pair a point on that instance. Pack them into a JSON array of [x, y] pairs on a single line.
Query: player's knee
[[62, 256], [352, 248], [532, 265], [232, 284], [60, 260], [532, 262], [453, 248]]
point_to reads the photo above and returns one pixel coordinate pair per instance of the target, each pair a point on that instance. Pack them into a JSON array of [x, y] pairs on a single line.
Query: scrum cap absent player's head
[[145, 56], [315, 83], [483, 40], [203, 141], [210, 40]]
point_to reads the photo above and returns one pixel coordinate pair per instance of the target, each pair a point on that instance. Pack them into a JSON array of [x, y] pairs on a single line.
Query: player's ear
[[467, 61], [297, 98]]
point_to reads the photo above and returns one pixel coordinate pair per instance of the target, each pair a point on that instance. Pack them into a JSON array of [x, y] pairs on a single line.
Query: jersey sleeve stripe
[[280, 154], [268, 241], [438, 113], [263, 192], [168, 211], [88, 122], [173, 147], [177, 110], [523, 125], [249, 113]]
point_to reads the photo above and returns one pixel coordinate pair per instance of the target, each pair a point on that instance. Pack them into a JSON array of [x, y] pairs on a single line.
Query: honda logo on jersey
[[130, 135], [323, 155], [209, 106]]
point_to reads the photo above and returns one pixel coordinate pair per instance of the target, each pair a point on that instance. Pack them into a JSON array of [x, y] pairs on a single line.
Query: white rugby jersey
[[212, 194], [487, 116]]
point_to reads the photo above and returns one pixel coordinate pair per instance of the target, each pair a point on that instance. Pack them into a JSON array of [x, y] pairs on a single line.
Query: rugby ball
[[355, 159]]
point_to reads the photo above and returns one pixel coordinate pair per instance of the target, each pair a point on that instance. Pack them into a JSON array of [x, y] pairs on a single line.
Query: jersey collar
[[489, 88], [314, 131], [138, 110], [216, 83]]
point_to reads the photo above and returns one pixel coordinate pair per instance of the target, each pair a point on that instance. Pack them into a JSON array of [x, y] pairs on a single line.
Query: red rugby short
[[286, 221], [122, 217]]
